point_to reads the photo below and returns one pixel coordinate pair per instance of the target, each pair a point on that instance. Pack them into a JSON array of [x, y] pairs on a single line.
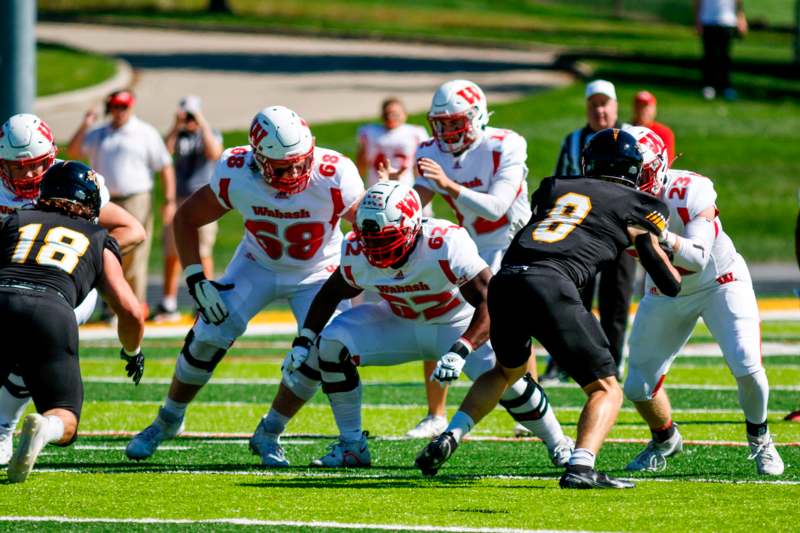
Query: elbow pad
[[655, 266]]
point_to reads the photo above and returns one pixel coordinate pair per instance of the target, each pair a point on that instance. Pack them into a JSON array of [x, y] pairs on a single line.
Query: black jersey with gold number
[[53, 250], [579, 223]]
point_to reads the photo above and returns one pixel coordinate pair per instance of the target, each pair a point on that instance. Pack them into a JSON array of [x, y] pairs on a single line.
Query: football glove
[[134, 366], [449, 366], [301, 348], [206, 295]]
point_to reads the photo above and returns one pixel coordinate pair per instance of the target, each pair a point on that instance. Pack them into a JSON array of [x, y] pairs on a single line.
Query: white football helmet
[[283, 148], [388, 220], [656, 159], [26, 143], [458, 115]]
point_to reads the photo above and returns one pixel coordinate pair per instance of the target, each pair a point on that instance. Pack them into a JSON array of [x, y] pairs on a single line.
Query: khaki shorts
[[207, 235]]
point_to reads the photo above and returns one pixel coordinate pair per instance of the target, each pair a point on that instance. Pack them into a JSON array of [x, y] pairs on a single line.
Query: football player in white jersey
[[480, 172], [27, 150], [291, 195], [716, 287], [433, 288]]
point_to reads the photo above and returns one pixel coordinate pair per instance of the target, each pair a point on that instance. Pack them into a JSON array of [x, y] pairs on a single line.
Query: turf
[[60, 69]]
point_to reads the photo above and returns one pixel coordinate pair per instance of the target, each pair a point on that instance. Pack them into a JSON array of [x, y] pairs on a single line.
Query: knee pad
[[16, 387], [525, 399], [637, 388], [197, 361], [305, 381], [336, 367]]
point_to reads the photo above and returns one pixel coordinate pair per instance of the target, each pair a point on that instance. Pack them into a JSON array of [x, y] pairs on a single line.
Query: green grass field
[[493, 481], [60, 69]]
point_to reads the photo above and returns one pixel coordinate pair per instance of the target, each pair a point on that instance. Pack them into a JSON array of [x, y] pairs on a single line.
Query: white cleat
[[6, 444], [145, 444], [654, 457], [562, 451], [267, 446], [31, 443], [768, 461], [346, 455], [429, 427], [522, 431]]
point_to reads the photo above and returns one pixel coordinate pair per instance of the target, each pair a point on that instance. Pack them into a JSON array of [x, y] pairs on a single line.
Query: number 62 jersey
[[579, 223], [297, 232]]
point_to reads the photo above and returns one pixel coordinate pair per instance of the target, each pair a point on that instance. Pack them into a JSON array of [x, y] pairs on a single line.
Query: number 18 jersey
[[580, 223], [426, 286], [294, 232]]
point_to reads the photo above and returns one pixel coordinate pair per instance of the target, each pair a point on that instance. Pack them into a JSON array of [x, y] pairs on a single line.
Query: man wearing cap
[[195, 148], [644, 114], [616, 278], [128, 151]]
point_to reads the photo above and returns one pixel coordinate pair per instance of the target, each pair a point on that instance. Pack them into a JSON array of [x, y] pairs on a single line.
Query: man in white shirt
[[717, 22]]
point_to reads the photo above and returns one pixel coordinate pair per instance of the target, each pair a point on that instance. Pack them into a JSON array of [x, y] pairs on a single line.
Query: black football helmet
[[612, 155], [71, 188]]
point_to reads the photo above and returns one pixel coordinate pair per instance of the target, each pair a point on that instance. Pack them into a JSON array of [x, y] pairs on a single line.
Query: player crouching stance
[[50, 258], [578, 223], [717, 287], [433, 285]]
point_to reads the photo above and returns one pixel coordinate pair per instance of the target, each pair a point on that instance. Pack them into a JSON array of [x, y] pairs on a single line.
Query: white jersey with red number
[[10, 202], [499, 155], [397, 145], [426, 287], [687, 194], [297, 232]]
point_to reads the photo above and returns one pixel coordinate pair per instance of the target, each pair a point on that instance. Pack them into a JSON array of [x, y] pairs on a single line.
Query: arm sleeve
[[694, 248], [462, 256]]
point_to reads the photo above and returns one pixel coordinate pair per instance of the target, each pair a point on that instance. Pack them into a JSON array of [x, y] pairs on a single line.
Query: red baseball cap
[[644, 97], [120, 98]]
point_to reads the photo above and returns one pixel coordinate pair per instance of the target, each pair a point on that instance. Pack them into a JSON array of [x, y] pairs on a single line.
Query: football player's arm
[[474, 292], [493, 204], [199, 209], [330, 295], [120, 297], [655, 261], [692, 249], [121, 225]]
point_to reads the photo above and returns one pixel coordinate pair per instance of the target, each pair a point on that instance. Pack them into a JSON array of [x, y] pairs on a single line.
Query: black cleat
[[591, 479], [434, 455]]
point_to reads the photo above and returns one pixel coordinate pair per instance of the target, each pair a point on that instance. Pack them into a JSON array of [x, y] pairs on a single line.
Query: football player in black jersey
[[50, 258], [578, 224]]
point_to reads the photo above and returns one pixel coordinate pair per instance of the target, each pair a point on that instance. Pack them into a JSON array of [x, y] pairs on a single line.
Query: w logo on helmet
[[46, 132], [257, 133], [470, 94], [409, 205]]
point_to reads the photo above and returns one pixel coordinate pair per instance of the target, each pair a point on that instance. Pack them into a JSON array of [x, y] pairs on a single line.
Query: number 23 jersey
[[579, 223], [426, 286], [297, 232]]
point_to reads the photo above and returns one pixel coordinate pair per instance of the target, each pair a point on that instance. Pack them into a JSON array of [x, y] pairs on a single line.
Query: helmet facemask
[[385, 247], [16, 178], [290, 175], [453, 133]]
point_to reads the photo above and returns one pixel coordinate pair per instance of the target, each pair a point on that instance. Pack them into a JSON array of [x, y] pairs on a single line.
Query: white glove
[[449, 366], [206, 295], [668, 239], [301, 349]]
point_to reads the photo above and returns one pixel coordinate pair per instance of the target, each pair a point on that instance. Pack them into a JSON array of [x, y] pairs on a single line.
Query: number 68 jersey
[[579, 223], [297, 232], [426, 286]]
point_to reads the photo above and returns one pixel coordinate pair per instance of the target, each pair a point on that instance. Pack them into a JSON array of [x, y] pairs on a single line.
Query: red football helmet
[[27, 150], [388, 220]]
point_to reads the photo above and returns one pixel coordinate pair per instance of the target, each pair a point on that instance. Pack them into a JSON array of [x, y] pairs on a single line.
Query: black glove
[[135, 366]]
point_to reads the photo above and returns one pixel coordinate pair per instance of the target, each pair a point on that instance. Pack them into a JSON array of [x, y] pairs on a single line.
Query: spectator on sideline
[[717, 22], [616, 278], [644, 114], [195, 147], [128, 151]]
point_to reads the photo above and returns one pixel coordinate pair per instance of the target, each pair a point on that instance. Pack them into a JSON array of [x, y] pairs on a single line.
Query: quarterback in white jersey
[[717, 287], [27, 150], [433, 286], [291, 195]]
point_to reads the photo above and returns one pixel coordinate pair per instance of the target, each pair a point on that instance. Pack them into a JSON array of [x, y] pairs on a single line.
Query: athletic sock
[[347, 412], [546, 428], [169, 303], [460, 425], [582, 457], [11, 408], [754, 395], [176, 410], [664, 433], [54, 430], [274, 424]]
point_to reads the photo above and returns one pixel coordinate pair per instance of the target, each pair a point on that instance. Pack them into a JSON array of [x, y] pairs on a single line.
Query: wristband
[[137, 351], [462, 347]]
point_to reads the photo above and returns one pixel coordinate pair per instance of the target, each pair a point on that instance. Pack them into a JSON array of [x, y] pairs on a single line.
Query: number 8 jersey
[[579, 223], [297, 232]]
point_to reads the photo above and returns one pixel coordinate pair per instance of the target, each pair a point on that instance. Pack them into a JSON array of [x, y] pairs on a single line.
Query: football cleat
[[267, 446], [436, 453], [343, 454], [31, 442], [145, 444], [591, 479], [654, 456], [6, 444], [429, 427], [763, 451], [562, 451], [522, 431], [794, 416]]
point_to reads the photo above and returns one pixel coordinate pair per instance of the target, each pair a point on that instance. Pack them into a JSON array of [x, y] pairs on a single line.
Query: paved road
[[323, 79]]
